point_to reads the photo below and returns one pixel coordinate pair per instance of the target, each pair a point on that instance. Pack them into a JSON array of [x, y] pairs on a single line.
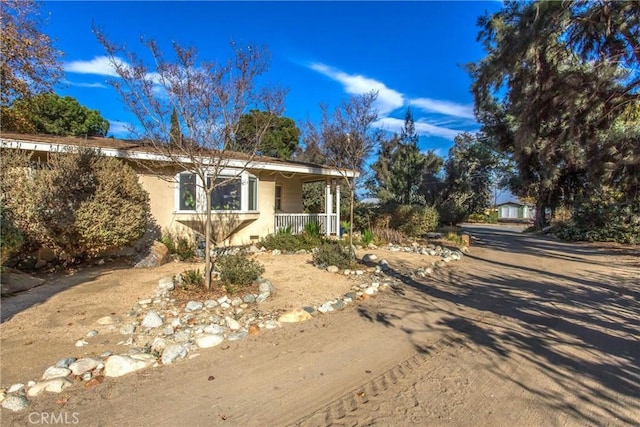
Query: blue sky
[[412, 53]]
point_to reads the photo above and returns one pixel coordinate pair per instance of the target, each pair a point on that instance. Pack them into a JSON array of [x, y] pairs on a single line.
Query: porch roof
[[138, 151]]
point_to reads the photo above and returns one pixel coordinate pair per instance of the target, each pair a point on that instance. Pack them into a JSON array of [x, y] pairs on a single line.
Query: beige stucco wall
[[248, 227]]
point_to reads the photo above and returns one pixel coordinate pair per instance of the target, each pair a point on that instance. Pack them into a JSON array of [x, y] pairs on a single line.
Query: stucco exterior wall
[[249, 227]]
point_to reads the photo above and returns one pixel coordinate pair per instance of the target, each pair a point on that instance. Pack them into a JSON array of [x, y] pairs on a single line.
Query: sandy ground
[[524, 331]]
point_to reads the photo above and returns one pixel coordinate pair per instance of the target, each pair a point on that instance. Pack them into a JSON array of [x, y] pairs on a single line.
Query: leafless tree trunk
[[209, 99]]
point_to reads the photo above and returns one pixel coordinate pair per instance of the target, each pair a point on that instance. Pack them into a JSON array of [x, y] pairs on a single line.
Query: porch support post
[[338, 211], [327, 207]]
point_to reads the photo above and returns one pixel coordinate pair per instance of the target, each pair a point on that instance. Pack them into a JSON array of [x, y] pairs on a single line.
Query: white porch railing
[[298, 221]]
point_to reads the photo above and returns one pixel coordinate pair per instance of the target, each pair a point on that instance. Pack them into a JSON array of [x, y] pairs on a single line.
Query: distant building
[[515, 211]]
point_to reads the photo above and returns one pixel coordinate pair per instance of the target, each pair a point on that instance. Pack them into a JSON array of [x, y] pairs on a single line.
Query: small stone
[[81, 343], [265, 286], [347, 272], [237, 336], [64, 363], [55, 385], [208, 341], [145, 301], [117, 365], [214, 330], [350, 295], [158, 344], [297, 315], [276, 252], [87, 376], [193, 306], [223, 299], [309, 309], [370, 291], [94, 382], [15, 387], [15, 403], [249, 298], [54, 372], [83, 365], [326, 308], [173, 353], [210, 303], [338, 305], [225, 305], [369, 257], [262, 298], [253, 249], [182, 336], [92, 333], [108, 320], [101, 262], [232, 324], [254, 330], [166, 284], [236, 302], [105, 354], [271, 324], [384, 264], [359, 272], [128, 329], [152, 320], [168, 330], [333, 269]]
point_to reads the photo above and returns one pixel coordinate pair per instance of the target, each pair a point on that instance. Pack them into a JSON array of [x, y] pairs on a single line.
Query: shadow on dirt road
[[561, 321]]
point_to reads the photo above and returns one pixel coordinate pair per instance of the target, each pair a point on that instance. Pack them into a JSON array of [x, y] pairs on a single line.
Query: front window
[[278, 201], [187, 192], [227, 194], [231, 193]]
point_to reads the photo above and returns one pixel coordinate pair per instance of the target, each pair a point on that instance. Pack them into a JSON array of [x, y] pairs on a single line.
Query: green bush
[[488, 218], [11, 239], [287, 242], [178, 245], [78, 203], [312, 228], [237, 271], [191, 279], [331, 253], [602, 220], [367, 237], [414, 220]]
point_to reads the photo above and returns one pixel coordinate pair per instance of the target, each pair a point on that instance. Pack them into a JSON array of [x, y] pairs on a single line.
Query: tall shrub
[[77, 203]]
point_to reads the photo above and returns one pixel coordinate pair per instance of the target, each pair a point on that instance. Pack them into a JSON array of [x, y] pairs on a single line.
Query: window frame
[[246, 180]]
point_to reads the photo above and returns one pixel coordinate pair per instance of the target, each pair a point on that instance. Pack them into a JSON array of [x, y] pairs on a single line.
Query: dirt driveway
[[524, 331]]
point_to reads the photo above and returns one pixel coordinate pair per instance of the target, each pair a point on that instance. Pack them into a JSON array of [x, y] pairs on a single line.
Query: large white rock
[[117, 365], [15, 403], [369, 257], [208, 341], [55, 372], [232, 323], [55, 385], [166, 284], [297, 315], [173, 353], [107, 320], [83, 365], [152, 320]]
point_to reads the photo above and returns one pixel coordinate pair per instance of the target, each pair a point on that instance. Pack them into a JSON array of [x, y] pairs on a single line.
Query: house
[[260, 195], [515, 211]]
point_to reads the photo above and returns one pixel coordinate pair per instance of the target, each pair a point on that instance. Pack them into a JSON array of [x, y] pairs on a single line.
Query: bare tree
[[29, 63], [347, 140], [209, 99]]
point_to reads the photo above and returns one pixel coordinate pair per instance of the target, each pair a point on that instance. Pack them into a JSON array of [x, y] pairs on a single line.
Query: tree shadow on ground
[[580, 330], [54, 283]]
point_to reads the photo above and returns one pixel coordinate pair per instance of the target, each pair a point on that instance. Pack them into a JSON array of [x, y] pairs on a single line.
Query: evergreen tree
[[175, 134]]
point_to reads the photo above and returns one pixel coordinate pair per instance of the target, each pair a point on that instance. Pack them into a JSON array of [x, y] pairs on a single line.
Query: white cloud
[[119, 129], [422, 128], [355, 84], [87, 85], [100, 65], [444, 107]]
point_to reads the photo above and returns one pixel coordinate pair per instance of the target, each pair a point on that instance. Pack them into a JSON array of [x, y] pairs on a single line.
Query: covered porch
[[329, 220]]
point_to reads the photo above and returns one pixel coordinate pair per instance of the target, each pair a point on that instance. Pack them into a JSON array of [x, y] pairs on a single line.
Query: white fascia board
[[142, 155]]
